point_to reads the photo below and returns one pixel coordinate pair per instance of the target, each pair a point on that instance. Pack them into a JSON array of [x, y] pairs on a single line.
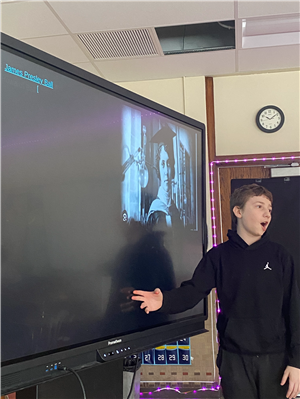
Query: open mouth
[[264, 225]]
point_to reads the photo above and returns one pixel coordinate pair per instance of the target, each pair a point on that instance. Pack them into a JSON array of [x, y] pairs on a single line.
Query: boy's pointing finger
[[138, 292], [138, 298]]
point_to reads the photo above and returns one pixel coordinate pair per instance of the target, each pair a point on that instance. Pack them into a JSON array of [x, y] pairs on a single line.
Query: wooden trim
[[215, 207], [210, 118], [211, 145]]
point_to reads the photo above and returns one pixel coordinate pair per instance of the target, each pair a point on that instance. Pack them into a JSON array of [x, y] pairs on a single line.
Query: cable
[[226, 26], [80, 381], [76, 375], [133, 377]]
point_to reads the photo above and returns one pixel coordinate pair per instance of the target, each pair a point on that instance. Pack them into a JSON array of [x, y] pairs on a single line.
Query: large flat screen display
[[102, 193]]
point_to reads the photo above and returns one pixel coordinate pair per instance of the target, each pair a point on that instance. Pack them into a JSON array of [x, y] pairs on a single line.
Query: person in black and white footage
[[163, 209]]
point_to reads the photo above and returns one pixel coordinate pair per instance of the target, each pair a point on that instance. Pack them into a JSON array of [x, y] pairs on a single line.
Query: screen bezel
[[25, 372]]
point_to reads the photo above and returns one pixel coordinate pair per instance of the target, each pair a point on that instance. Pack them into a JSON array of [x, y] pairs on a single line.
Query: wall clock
[[270, 119]]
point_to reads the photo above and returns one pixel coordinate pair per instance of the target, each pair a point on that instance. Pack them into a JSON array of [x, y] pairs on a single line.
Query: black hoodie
[[258, 293]]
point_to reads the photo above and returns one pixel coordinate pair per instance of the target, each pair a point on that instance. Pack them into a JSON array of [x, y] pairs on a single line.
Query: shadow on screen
[[144, 263]]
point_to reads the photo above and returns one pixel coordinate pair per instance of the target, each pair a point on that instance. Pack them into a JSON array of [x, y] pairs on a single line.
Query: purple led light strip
[[212, 190], [168, 388], [212, 197]]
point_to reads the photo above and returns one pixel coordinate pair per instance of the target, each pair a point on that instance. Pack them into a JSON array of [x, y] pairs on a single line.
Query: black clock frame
[[275, 128]]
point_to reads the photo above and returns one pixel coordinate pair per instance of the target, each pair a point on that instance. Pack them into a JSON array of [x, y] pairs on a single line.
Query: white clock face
[[270, 119]]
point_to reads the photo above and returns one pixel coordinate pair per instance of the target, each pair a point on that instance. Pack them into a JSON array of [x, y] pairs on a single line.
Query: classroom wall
[[184, 95], [237, 101]]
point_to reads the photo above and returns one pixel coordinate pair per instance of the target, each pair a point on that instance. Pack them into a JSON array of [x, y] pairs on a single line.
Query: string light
[[214, 236], [194, 391], [212, 199]]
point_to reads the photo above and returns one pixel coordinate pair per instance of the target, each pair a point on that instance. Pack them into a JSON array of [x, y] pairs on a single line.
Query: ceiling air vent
[[121, 43]]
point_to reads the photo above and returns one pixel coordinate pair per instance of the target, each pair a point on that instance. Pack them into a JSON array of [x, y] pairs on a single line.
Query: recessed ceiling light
[[271, 31]]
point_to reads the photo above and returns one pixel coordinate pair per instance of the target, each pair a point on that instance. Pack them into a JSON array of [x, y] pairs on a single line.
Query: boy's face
[[254, 219]]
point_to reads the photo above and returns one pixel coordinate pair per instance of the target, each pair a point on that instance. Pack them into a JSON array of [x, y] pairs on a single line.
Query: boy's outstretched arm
[[293, 374], [151, 300], [187, 295]]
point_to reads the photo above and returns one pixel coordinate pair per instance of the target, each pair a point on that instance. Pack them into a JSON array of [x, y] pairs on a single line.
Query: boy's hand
[[293, 374], [151, 300]]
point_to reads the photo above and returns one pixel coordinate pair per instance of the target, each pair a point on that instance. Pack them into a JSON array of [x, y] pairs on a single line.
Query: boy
[[259, 322]]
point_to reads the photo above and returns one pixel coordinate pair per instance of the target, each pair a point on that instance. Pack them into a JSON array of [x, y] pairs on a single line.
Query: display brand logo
[[116, 341], [267, 266]]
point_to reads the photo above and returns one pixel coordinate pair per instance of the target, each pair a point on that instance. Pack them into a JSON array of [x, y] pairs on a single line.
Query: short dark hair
[[241, 195], [169, 150]]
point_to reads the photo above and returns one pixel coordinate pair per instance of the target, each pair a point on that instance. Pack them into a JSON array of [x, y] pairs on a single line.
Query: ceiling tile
[[53, 27], [29, 19], [93, 16], [167, 67], [9, 1], [269, 58], [63, 47], [247, 9]]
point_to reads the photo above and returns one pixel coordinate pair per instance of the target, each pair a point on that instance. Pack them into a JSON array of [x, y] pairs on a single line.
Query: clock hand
[[273, 116]]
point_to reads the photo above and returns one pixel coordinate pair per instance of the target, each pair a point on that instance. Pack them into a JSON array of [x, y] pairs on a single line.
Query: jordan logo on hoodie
[[267, 266]]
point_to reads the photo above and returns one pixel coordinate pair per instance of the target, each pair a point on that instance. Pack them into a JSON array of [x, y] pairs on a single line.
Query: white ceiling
[[267, 42]]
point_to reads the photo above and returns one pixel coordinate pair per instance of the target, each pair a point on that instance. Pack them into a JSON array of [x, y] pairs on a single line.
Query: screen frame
[[26, 372]]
